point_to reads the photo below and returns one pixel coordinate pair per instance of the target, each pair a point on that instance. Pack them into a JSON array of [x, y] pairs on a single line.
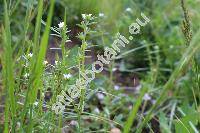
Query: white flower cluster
[[86, 16], [30, 55], [67, 76]]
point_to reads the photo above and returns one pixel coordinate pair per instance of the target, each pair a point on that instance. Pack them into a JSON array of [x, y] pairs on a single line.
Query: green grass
[[163, 59], [183, 63]]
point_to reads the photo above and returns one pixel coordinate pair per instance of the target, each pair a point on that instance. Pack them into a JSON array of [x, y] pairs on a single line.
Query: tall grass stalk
[[8, 72], [37, 28]]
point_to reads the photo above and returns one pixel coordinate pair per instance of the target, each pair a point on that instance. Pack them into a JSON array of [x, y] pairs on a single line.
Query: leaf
[[189, 120], [164, 123], [185, 124]]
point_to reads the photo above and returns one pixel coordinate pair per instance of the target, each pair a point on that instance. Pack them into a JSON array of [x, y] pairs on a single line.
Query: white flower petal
[[128, 9], [96, 110], [114, 69], [45, 62], [83, 16], [116, 87], [101, 14], [100, 96], [61, 24], [146, 97]]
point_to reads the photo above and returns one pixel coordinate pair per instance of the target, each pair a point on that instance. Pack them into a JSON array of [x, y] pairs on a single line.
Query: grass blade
[[134, 111], [8, 69]]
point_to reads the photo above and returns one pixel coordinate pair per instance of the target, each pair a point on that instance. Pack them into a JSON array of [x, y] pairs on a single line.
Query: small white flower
[[86, 16], [116, 87], [96, 110], [83, 16], [156, 47], [30, 55], [26, 75], [89, 15], [67, 76], [114, 69], [101, 14], [138, 87], [146, 97], [56, 62], [45, 62], [128, 9], [61, 25], [130, 107], [18, 124], [100, 96], [35, 103], [73, 123]]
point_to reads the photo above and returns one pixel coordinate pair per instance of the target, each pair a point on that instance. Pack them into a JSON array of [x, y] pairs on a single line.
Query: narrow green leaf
[[8, 66], [134, 111]]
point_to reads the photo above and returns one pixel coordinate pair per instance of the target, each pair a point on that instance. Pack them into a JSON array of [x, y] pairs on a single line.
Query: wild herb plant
[[85, 26]]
